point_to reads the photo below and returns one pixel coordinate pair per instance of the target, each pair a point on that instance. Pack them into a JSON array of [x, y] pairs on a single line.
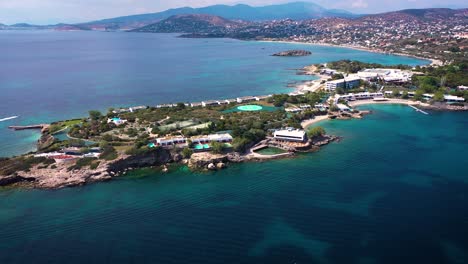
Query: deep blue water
[[394, 190], [47, 76]]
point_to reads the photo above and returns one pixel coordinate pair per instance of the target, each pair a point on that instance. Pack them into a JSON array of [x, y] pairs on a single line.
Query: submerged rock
[[221, 165]]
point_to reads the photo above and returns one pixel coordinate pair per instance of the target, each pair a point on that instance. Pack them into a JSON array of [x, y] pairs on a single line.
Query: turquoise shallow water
[[394, 190], [48, 76]]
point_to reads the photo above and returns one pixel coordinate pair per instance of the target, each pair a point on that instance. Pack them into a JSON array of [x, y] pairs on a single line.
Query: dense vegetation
[[349, 66]]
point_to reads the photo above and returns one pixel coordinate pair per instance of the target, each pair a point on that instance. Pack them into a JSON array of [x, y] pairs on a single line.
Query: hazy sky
[[72, 11]]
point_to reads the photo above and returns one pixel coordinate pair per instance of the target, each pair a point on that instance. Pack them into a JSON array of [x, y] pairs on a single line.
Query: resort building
[[357, 96], [130, 109], [166, 105], [116, 121], [290, 134], [454, 99], [462, 88], [195, 104], [329, 72], [171, 141], [246, 99], [209, 103], [387, 75], [346, 83], [427, 96], [221, 138]]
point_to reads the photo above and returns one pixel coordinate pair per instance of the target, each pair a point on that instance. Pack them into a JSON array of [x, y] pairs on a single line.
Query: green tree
[[187, 153], [438, 96], [217, 147], [405, 95], [95, 115], [316, 132]]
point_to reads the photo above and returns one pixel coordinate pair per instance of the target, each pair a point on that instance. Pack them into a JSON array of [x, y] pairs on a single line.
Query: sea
[[47, 76], [392, 190]]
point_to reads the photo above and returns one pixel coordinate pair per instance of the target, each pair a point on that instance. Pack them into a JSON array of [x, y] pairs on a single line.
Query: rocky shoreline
[[56, 176]]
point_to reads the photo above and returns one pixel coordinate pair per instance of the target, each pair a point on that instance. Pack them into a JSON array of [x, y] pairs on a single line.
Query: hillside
[[429, 14], [192, 23], [295, 10]]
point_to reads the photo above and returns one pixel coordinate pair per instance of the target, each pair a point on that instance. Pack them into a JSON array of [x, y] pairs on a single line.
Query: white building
[[209, 103], [462, 88], [296, 135], [221, 138], [246, 99], [387, 75], [357, 96], [454, 99], [346, 83], [170, 141]]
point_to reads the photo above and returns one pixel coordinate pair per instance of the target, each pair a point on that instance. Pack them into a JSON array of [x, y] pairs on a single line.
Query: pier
[[40, 126], [418, 110]]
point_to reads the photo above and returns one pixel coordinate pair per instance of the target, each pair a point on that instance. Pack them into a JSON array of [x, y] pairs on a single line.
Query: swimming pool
[[201, 147], [249, 108]]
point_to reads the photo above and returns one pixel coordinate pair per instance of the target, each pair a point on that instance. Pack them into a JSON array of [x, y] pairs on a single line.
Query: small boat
[[8, 118]]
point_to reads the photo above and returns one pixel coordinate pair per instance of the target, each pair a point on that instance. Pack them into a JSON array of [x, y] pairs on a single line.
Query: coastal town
[[211, 134], [436, 34]]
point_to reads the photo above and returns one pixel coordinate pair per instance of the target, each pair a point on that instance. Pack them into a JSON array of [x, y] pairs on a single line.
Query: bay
[[47, 76]]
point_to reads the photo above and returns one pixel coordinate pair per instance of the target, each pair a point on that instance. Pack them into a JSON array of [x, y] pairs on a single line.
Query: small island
[[293, 53]]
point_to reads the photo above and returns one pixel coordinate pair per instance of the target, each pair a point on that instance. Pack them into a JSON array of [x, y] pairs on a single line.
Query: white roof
[[453, 98], [342, 107], [297, 133]]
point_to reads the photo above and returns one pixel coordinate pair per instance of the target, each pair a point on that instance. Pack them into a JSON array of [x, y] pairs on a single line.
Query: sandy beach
[[388, 101], [309, 122]]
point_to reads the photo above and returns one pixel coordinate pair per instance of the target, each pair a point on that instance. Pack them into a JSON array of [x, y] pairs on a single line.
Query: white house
[[209, 103], [247, 99], [462, 88], [296, 135], [454, 99], [221, 138], [170, 141]]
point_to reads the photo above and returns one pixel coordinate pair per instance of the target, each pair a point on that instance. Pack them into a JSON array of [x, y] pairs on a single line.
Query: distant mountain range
[[196, 26], [295, 10], [231, 15]]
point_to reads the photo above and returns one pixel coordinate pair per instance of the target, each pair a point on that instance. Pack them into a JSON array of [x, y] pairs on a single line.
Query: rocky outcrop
[[203, 161], [293, 53], [156, 157], [45, 141], [324, 140], [9, 180], [235, 157]]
